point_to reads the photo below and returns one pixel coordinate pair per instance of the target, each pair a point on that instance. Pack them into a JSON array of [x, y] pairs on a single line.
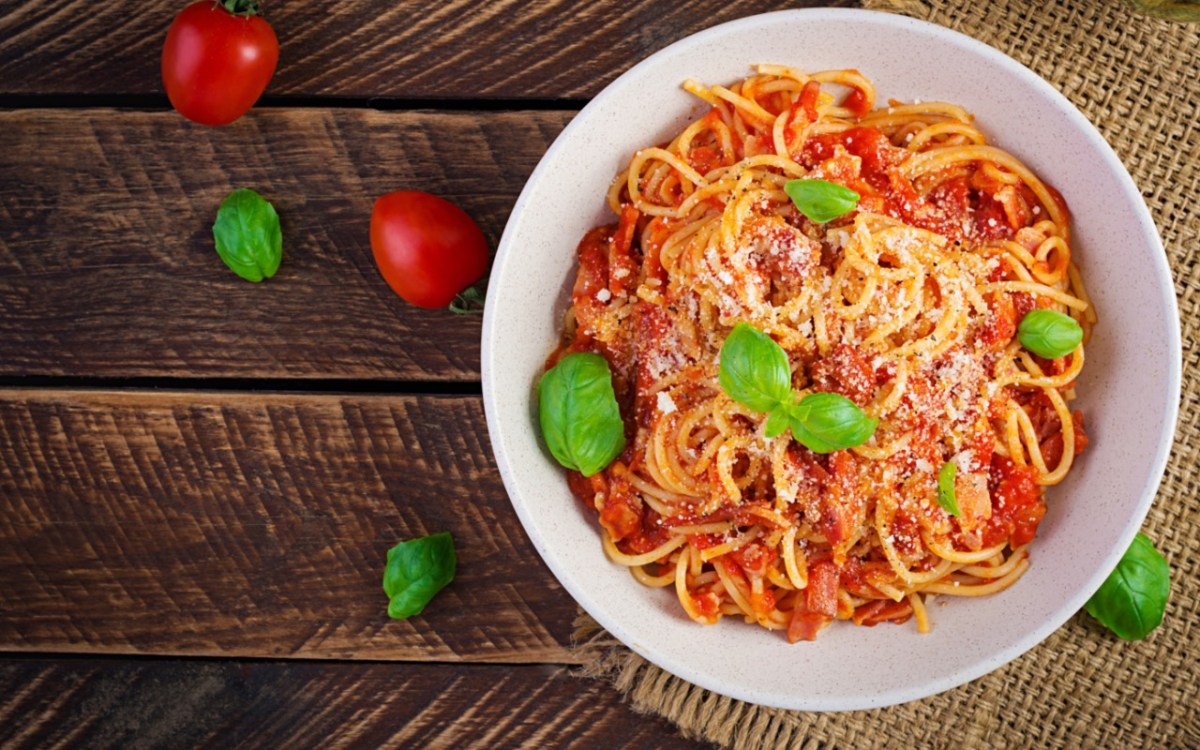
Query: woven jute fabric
[[1138, 80]]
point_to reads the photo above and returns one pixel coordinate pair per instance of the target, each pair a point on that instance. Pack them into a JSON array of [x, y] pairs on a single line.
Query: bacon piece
[[882, 610], [804, 626], [821, 594], [817, 605]]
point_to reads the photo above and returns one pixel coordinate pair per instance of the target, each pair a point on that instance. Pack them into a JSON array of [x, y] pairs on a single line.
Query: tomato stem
[[245, 8], [470, 300]]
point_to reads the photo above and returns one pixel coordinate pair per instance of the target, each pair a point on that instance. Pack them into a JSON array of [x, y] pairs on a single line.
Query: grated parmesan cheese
[[665, 403], [963, 460]]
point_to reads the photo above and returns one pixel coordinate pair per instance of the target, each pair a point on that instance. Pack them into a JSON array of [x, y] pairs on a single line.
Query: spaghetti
[[908, 306]]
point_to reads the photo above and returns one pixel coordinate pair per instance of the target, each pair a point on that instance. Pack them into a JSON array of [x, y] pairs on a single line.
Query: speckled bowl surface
[[1129, 390]]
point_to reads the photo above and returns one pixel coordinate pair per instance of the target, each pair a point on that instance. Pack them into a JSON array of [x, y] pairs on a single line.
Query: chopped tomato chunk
[[1017, 506]]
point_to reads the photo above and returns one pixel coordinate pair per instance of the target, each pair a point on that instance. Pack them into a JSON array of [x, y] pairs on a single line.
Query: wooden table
[[200, 476]]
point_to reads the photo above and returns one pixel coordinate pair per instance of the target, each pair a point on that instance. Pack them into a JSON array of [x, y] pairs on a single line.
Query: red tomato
[[216, 64], [427, 248]]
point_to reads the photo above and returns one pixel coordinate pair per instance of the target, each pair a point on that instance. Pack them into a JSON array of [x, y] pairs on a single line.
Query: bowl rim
[[1163, 281]]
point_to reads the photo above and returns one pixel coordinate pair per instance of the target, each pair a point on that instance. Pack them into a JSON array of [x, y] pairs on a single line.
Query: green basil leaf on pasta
[[247, 235], [416, 570], [821, 200], [1131, 601], [754, 369], [578, 413], [827, 422], [777, 423], [808, 439], [1049, 334], [946, 496]]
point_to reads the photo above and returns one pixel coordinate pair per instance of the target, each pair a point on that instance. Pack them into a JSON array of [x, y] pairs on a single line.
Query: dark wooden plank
[[167, 704], [257, 525], [358, 48], [107, 266]]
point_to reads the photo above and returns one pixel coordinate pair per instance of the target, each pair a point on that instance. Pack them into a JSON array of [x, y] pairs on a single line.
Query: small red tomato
[[218, 59], [427, 248]]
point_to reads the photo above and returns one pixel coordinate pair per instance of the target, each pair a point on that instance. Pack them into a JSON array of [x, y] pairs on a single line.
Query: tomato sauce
[[960, 207], [1017, 505], [845, 371], [966, 202]]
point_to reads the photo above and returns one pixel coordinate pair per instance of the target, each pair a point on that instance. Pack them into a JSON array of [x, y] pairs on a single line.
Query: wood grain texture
[[107, 264], [258, 525], [362, 48], [155, 704]]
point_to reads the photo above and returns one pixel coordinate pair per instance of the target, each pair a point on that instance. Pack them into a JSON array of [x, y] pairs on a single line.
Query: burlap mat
[[1138, 80]]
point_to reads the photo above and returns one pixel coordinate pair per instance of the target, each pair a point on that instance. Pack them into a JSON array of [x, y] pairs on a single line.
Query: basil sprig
[[1048, 333], [578, 412], [821, 200], [1131, 601], [415, 571], [247, 235], [754, 372], [946, 496]]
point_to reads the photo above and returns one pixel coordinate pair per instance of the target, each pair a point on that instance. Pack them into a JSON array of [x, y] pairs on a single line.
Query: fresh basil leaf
[[578, 412], [777, 423], [415, 571], [821, 200], [827, 422], [808, 439], [247, 235], [754, 369], [1048, 333], [1131, 601], [947, 498]]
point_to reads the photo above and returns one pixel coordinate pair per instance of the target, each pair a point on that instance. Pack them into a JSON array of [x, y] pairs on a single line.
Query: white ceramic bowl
[[1129, 390]]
